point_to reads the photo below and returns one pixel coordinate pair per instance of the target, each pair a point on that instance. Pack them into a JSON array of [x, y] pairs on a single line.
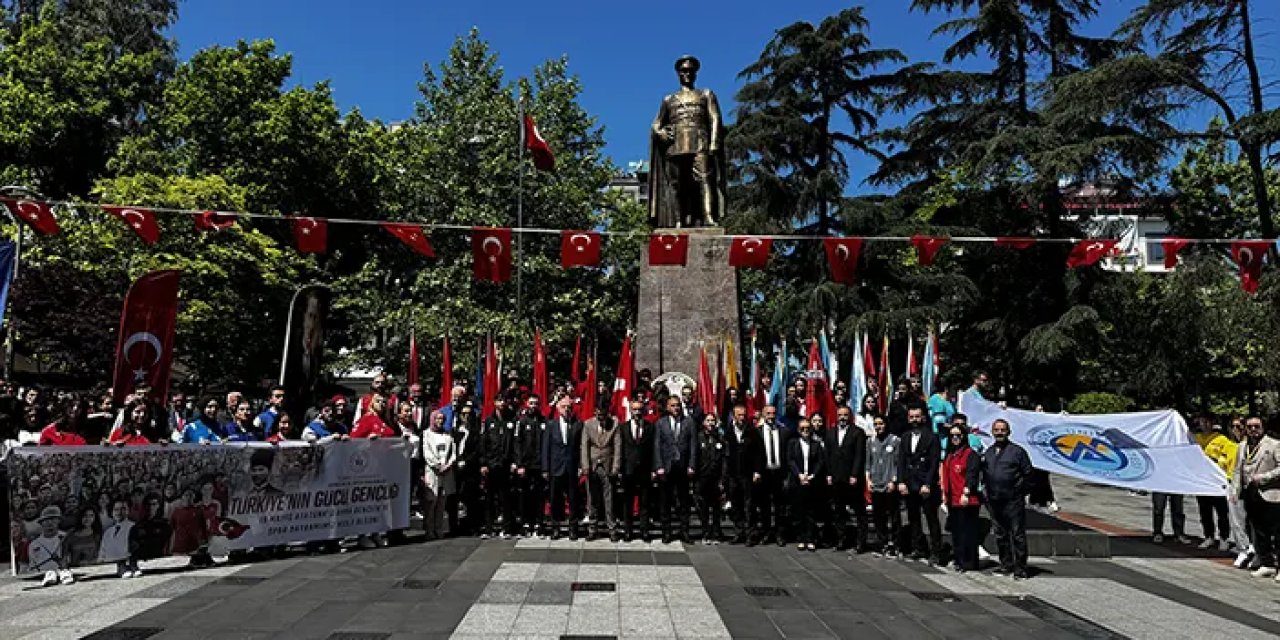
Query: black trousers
[[497, 490], [918, 506], [805, 503], [709, 509], [1040, 488], [843, 497], [676, 499], [635, 489], [770, 503], [1210, 506], [887, 516], [740, 509], [533, 497], [1009, 519], [565, 488], [1265, 517], [964, 524]]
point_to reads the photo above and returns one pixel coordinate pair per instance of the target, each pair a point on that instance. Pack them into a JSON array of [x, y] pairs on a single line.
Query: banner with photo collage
[[77, 506]]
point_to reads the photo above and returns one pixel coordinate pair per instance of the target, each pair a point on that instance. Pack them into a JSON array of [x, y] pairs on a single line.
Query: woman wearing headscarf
[[205, 429], [438, 454], [961, 470]]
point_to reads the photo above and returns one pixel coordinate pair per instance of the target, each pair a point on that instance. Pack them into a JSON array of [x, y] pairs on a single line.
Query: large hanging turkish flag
[[144, 352], [213, 220], [1087, 252], [927, 247], [491, 254], [842, 257], [750, 252], [1248, 255], [1171, 247], [311, 235], [668, 249], [142, 221], [37, 215], [579, 249]]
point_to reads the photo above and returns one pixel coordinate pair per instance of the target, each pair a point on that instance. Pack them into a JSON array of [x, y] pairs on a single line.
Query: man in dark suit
[[742, 440], [918, 462], [675, 447], [769, 477], [561, 444], [526, 468], [637, 470], [846, 447]]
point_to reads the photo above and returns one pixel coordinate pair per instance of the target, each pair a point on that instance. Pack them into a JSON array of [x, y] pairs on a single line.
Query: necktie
[[773, 446], [804, 446]]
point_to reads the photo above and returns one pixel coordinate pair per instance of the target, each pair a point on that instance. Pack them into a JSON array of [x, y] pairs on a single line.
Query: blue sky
[[373, 51]]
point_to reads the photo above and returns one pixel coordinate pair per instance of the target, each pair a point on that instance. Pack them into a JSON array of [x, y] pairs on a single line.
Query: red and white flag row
[[491, 246]]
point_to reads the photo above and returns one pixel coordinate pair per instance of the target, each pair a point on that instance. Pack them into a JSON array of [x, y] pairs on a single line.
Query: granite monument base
[[681, 308]]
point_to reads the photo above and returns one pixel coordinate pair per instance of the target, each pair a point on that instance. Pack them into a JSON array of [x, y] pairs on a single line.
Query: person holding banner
[[129, 433], [204, 429], [1006, 467]]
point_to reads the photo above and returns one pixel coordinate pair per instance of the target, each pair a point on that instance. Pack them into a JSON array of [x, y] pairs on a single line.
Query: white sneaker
[[1158, 538], [50, 579], [1053, 507], [1242, 559], [65, 577], [1207, 544], [1264, 572], [137, 572], [1224, 545]]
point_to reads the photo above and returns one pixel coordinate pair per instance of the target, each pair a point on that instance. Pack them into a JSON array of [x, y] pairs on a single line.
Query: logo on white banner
[[1084, 448]]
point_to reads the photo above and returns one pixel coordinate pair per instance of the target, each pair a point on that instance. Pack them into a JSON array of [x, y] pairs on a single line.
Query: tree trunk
[[1253, 152]]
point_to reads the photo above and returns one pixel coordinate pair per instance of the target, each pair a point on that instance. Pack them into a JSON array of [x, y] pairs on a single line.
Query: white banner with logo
[[1150, 450], [74, 506]]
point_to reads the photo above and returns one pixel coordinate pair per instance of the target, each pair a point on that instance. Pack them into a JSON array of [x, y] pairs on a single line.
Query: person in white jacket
[[439, 453]]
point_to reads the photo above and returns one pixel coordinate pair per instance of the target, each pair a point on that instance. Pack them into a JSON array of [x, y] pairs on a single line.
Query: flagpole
[[520, 203]]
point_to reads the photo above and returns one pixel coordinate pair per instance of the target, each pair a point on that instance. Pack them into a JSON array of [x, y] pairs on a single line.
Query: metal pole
[[520, 206], [10, 350]]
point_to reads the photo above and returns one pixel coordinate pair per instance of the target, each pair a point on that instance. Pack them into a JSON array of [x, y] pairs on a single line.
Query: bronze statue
[[686, 156]]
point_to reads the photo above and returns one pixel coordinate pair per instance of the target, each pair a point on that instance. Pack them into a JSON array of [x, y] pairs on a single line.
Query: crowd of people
[[777, 475]]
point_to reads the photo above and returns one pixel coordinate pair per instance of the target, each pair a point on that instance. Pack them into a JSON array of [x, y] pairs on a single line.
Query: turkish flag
[[446, 376], [492, 385], [620, 403], [491, 253], [142, 221], [1171, 247], [144, 352], [412, 236], [213, 220], [750, 252], [538, 148], [310, 234], [1015, 242], [1087, 252], [579, 249], [37, 215], [587, 394], [668, 249], [927, 247], [842, 257], [1249, 255], [540, 370]]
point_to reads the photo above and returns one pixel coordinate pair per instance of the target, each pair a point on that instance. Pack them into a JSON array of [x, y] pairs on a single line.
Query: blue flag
[[825, 353], [857, 377], [8, 254], [778, 389], [480, 377], [929, 373]]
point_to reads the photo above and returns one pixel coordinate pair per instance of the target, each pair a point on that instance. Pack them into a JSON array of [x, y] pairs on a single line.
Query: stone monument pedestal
[[682, 307]]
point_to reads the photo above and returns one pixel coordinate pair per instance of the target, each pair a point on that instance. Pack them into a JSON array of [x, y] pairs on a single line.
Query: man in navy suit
[[675, 449], [920, 456], [560, 448]]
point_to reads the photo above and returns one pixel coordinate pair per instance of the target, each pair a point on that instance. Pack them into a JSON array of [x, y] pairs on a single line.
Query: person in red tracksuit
[[371, 425], [961, 470]]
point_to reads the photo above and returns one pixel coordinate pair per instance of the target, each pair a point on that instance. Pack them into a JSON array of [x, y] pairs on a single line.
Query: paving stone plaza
[[540, 588]]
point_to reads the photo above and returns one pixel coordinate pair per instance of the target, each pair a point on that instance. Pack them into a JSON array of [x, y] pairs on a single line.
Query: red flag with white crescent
[[412, 235], [842, 257], [620, 403], [144, 353], [579, 249], [491, 254], [311, 235], [1249, 255], [750, 252], [927, 247], [37, 215], [1087, 252], [1171, 247], [141, 221], [213, 220], [543, 159], [586, 393], [668, 249]]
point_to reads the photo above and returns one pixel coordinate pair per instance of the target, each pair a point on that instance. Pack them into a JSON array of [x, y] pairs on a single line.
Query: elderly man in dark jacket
[[1005, 469]]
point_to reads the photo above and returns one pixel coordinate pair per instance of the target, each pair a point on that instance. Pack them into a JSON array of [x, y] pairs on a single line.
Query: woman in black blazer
[[807, 463]]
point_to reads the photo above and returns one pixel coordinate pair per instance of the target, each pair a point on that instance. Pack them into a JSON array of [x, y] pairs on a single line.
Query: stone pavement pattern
[[466, 588]]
